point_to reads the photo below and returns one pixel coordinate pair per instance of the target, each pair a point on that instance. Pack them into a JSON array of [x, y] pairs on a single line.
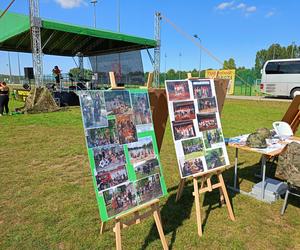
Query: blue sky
[[227, 28]]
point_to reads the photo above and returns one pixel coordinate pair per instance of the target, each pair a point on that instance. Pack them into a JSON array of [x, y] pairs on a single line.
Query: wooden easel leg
[[225, 194], [156, 215], [197, 202], [117, 230], [222, 200], [102, 227], [180, 189]]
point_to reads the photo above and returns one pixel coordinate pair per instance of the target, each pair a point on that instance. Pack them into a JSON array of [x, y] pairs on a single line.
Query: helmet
[[256, 140], [264, 132]]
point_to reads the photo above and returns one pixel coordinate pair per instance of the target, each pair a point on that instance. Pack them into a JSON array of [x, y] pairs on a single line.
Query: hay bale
[[40, 100]]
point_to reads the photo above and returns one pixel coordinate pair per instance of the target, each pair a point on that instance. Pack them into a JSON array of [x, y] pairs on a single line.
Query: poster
[[122, 149], [223, 74], [196, 126]]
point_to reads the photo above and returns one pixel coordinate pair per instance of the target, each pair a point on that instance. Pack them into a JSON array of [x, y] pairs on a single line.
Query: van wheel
[[295, 92]]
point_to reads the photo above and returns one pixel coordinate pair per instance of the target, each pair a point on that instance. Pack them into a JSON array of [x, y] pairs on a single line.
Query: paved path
[[259, 98]]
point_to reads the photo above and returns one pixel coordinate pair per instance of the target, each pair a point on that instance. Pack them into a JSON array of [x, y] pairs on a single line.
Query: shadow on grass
[[173, 214]]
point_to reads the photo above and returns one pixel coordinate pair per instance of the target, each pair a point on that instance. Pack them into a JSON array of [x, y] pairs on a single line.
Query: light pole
[[293, 45], [180, 65], [9, 67], [94, 2], [165, 66], [118, 15], [19, 67], [197, 37]]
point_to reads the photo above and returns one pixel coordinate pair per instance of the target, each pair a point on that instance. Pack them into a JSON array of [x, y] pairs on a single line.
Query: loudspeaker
[[28, 72]]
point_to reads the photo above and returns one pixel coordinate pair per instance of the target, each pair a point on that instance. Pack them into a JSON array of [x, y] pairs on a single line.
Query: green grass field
[[47, 199]]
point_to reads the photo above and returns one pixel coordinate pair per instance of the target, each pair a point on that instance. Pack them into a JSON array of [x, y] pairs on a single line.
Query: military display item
[[256, 140], [288, 167], [264, 132]]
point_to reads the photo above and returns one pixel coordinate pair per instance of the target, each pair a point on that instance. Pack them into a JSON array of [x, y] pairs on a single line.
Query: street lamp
[[94, 2], [165, 66], [197, 37], [180, 65]]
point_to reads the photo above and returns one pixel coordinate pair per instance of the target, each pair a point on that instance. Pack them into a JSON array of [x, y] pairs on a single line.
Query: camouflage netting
[[288, 167], [40, 100]]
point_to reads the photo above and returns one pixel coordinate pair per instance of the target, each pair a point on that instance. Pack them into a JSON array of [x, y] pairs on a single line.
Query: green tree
[[230, 64], [76, 72]]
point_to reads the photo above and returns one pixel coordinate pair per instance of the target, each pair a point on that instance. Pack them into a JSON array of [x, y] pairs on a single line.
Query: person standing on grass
[[4, 98]]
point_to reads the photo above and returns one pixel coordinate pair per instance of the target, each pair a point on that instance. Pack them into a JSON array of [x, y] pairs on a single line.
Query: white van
[[281, 77]]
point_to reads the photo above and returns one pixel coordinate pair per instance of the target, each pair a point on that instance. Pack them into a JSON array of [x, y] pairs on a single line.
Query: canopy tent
[[66, 39]]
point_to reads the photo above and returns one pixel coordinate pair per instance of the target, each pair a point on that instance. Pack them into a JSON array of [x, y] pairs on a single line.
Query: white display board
[[196, 126]]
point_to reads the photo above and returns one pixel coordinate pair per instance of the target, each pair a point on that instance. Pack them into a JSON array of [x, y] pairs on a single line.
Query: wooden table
[[265, 156]]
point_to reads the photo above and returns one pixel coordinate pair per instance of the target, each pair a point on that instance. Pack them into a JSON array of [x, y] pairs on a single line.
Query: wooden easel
[[292, 115], [207, 186], [135, 213]]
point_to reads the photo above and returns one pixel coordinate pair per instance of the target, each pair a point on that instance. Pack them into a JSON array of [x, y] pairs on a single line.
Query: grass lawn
[[47, 199]]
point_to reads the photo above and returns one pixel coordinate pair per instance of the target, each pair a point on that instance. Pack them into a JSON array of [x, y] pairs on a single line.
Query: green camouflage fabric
[[288, 167], [256, 140], [264, 132]]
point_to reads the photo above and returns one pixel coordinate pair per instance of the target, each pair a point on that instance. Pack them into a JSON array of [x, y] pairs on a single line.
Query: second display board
[[196, 126]]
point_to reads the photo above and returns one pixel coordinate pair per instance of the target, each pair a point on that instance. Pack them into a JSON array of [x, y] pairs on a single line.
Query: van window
[[292, 67]]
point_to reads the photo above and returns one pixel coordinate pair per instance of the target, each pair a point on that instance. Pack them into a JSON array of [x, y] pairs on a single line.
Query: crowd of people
[[117, 105], [141, 153], [148, 167], [126, 129], [102, 136], [207, 104], [109, 157], [215, 159], [148, 188], [122, 201], [202, 91], [178, 90], [109, 179], [183, 131], [184, 112], [207, 123], [4, 98], [188, 149], [192, 167]]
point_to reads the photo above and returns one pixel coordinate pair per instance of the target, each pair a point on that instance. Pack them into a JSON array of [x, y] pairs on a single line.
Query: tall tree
[[230, 64]]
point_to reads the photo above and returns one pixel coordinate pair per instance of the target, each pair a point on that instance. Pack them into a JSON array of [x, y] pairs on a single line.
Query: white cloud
[[241, 6], [270, 13], [224, 5], [250, 9], [69, 4]]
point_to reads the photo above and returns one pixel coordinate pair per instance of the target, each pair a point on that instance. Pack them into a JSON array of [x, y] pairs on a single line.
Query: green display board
[[122, 149]]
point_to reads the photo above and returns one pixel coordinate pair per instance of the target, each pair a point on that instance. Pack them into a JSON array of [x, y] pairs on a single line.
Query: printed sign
[[223, 74], [122, 149], [196, 126]]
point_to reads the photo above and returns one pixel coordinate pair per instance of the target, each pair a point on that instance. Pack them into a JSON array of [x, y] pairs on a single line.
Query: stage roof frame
[[64, 39]]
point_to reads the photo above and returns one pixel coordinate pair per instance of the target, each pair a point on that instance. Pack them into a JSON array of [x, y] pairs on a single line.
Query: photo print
[[207, 121], [148, 188], [193, 148], [146, 168], [202, 89], [102, 136], [109, 157], [184, 110], [213, 138], [178, 90], [119, 199], [141, 150], [183, 130], [117, 102], [191, 167], [207, 105], [110, 177], [93, 109], [215, 158], [141, 111], [126, 129]]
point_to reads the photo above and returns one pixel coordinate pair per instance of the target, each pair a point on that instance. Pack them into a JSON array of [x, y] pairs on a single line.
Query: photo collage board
[[122, 149], [196, 126]]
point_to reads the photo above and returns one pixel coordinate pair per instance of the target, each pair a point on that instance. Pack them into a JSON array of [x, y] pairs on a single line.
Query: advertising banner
[[223, 74]]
